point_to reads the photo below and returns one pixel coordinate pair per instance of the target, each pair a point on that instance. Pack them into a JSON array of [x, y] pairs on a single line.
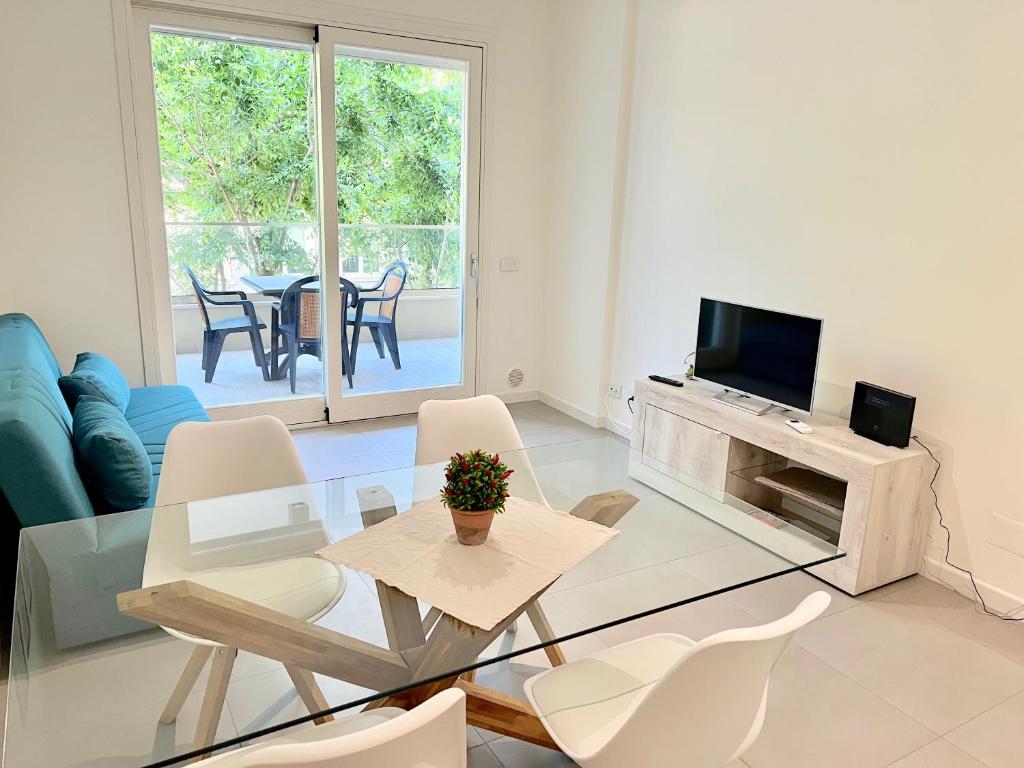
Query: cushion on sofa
[[39, 482], [97, 376], [110, 456], [153, 412]]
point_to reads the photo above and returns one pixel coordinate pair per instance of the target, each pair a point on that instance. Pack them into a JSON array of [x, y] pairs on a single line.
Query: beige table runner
[[529, 547]]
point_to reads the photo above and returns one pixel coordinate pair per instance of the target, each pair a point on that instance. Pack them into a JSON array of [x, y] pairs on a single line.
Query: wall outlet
[[615, 390], [509, 264]]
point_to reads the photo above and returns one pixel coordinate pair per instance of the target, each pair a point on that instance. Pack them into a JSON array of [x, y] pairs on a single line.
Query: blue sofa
[[89, 562]]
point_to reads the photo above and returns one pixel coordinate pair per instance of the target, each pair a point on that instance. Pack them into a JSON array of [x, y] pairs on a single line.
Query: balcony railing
[[222, 253]]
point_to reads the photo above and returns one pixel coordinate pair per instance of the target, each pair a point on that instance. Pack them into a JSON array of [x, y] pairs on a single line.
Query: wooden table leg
[[546, 634], [485, 707], [213, 699], [310, 693], [186, 682], [504, 714]]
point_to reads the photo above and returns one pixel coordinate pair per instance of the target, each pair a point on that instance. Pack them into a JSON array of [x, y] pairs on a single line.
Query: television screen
[[765, 354]]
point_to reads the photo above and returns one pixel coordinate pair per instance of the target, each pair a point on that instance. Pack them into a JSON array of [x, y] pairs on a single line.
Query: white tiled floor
[[910, 676]]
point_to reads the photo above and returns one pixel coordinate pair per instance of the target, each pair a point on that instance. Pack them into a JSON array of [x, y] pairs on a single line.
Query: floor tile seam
[[920, 612], [867, 690], [972, 719]]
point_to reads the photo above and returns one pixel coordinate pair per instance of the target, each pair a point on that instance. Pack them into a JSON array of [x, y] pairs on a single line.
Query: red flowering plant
[[475, 481]]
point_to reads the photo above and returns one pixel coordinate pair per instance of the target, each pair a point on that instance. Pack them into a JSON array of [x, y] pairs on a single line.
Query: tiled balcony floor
[[425, 363]]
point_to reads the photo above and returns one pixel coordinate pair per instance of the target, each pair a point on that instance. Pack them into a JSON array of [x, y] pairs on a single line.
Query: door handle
[[474, 263]]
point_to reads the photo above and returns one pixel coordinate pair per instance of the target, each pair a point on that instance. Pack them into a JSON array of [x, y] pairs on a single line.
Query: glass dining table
[[310, 641]]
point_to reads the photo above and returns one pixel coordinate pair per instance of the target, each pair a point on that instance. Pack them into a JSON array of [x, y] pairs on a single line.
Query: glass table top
[[88, 684]]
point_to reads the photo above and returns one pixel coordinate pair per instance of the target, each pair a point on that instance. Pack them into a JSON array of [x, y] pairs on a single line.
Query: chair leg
[[293, 360], [213, 699], [354, 347], [391, 337], [256, 340], [206, 349], [375, 333], [186, 682], [346, 355], [274, 353], [216, 347]]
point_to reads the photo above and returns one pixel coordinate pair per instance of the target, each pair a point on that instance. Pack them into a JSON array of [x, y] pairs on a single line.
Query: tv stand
[[743, 402], [870, 499]]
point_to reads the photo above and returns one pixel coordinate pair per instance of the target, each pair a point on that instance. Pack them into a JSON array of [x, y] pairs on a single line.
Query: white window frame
[[280, 20]]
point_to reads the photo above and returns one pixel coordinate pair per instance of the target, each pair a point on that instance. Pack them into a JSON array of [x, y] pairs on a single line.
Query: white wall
[[64, 229], [861, 162], [585, 123], [65, 243]]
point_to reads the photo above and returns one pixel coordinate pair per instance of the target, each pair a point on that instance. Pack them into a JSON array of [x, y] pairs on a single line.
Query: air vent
[[515, 377]]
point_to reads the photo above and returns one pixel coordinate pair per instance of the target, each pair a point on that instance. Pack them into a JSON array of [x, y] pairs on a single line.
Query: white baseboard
[[517, 396], [620, 428], [591, 419], [998, 600]]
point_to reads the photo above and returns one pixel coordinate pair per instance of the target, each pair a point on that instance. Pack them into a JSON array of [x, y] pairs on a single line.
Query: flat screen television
[[759, 353]]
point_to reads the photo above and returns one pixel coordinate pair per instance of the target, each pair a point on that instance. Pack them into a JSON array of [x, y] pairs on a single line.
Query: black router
[[882, 415]]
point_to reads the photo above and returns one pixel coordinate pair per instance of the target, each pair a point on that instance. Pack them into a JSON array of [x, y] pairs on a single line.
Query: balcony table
[[99, 705], [275, 285]]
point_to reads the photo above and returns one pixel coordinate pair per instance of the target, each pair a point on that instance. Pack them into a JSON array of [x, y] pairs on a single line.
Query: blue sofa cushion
[[110, 456], [97, 376], [153, 412], [38, 477]]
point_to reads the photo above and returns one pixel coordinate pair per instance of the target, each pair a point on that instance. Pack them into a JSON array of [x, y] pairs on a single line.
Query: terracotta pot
[[472, 527]]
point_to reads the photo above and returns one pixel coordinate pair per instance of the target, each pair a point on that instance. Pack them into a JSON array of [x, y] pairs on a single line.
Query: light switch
[[509, 264]]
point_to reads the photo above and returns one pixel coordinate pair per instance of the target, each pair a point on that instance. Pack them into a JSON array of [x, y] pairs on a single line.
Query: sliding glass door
[[406, 136], [277, 161]]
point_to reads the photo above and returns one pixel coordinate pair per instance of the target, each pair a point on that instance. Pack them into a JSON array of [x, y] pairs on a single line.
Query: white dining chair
[[205, 460], [446, 427], [665, 700], [433, 735]]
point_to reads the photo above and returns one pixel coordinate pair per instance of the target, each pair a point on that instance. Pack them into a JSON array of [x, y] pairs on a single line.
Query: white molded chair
[[205, 460], [446, 427], [433, 735], [665, 700]]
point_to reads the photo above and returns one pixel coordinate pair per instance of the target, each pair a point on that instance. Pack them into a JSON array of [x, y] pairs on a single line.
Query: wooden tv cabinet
[[880, 523]]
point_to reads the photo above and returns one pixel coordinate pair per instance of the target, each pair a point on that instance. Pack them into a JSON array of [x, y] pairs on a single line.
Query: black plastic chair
[[381, 322], [216, 331], [295, 321]]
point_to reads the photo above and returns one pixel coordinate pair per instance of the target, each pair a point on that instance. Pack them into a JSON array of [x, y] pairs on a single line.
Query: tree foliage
[[237, 144]]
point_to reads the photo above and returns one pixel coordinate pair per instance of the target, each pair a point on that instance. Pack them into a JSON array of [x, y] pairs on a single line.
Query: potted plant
[[476, 486]]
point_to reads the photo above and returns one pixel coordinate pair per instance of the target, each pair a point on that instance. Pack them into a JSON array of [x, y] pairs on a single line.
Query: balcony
[[428, 316]]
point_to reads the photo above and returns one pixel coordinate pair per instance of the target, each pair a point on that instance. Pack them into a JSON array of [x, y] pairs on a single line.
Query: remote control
[[666, 380], [799, 426]]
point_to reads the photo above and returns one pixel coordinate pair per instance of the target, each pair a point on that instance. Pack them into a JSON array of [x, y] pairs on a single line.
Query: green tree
[[237, 143]]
